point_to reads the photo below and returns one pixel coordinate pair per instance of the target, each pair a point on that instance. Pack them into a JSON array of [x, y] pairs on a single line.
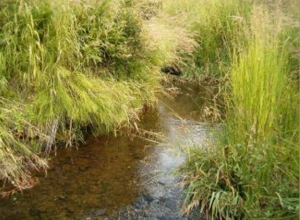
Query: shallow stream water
[[121, 177]]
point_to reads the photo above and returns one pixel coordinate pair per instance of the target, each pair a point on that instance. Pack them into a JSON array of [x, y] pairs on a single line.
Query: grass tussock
[[69, 65], [252, 172], [215, 27]]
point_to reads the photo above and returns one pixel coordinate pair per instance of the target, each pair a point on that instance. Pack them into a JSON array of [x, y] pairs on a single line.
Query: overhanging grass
[[71, 64]]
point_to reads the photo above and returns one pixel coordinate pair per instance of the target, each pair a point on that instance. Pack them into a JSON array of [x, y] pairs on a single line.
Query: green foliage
[[253, 171], [71, 65], [215, 26], [13, 150]]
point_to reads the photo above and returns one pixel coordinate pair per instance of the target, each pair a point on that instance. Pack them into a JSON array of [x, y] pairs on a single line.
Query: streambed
[[121, 177]]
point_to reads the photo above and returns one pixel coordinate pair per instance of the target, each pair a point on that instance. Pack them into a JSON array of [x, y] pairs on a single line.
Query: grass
[[69, 65], [252, 172], [214, 25], [13, 150]]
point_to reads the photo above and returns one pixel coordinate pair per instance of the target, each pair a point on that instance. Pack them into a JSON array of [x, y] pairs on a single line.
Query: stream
[[124, 177]]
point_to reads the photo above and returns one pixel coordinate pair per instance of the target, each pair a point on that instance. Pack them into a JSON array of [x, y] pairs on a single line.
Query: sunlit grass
[[215, 26], [252, 172], [72, 64]]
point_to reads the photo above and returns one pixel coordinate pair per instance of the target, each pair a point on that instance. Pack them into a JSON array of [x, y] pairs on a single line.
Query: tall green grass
[[68, 65], [13, 151], [215, 26], [252, 171]]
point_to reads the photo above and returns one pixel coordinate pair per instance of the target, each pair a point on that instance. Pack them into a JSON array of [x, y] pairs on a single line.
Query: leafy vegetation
[[215, 26], [252, 171], [71, 66]]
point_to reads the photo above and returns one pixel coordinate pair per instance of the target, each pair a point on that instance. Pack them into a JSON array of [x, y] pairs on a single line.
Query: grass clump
[[70, 65], [215, 26], [17, 160], [252, 172]]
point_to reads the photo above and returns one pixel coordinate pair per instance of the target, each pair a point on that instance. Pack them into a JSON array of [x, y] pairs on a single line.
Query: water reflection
[[108, 172]]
